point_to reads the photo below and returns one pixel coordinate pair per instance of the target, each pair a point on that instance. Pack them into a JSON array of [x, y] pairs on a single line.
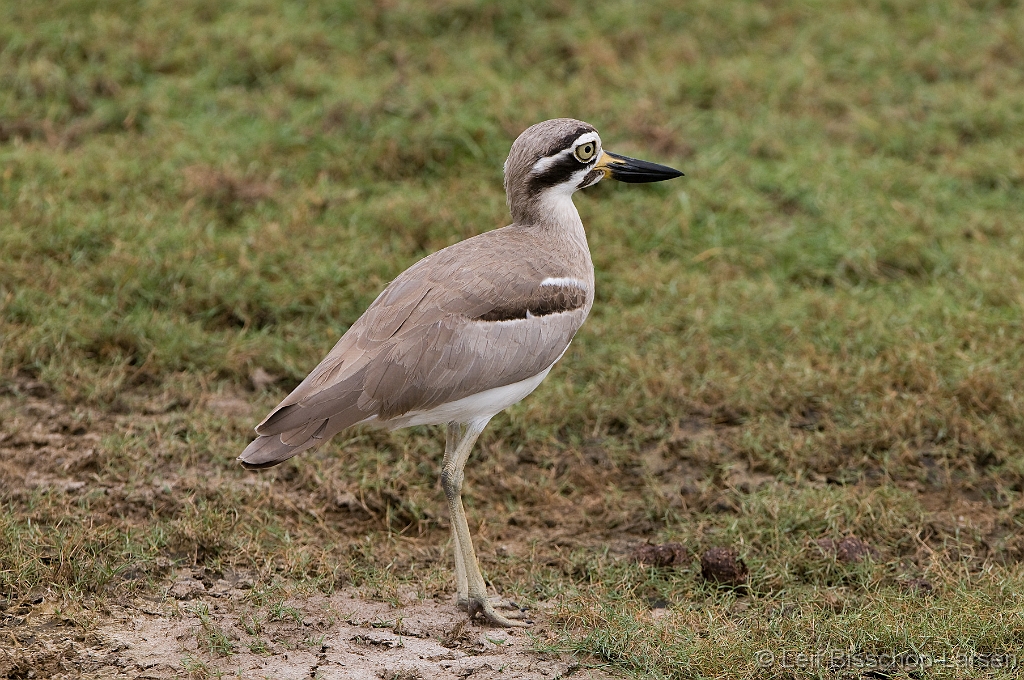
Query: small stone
[[187, 589], [665, 555], [221, 588], [722, 565]]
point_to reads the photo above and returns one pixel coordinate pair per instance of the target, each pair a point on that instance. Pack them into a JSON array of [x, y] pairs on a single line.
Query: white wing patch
[[563, 281]]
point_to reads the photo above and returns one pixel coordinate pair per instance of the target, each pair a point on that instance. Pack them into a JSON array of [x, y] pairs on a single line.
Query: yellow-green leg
[[461, 584], [469, 580]]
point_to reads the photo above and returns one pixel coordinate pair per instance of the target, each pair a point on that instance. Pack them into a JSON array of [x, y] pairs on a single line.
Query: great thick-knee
[[467, 331]]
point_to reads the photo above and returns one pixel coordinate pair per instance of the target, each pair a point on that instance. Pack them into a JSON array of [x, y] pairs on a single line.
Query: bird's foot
[[485, 606], [497, 601]]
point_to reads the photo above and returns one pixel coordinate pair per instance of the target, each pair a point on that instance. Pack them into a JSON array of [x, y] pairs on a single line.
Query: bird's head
[[552, 159]]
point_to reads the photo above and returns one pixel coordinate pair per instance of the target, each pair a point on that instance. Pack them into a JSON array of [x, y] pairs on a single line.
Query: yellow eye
[[584, 152]]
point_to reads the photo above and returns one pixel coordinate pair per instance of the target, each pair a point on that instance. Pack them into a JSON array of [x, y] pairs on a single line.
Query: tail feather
[[269, 450]]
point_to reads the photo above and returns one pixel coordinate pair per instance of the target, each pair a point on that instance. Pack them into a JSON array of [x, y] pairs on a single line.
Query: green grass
[[209, 636], [830, 302]]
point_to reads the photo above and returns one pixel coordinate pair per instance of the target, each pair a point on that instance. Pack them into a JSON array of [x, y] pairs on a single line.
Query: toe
[[486, 610]]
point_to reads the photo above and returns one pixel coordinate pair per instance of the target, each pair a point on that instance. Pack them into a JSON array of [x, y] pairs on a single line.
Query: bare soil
[[340, 636], [189, 621]]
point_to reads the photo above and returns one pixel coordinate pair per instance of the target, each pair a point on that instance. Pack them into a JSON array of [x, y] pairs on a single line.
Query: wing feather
[[441, 331]]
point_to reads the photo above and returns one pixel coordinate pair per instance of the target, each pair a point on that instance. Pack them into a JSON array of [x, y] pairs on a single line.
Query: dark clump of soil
[[665, 555], [917, 586], [849, 550], [723, 565]]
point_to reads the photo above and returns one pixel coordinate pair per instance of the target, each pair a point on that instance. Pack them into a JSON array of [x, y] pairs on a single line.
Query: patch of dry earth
[[338, 637]]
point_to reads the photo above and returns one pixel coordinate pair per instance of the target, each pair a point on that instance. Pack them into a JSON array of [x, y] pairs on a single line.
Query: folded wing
[[439, 332]]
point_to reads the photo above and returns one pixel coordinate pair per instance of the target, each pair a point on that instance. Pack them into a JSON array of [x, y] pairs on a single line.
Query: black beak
[[633, 171]]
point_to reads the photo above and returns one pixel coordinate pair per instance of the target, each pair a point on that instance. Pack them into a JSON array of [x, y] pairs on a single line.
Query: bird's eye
[[584, 152]]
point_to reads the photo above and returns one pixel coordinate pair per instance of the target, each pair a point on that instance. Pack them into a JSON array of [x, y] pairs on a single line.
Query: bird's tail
[[269, 450]]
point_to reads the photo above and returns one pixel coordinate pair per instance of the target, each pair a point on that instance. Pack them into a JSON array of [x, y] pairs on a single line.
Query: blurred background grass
[[192, 192], [218, 188]]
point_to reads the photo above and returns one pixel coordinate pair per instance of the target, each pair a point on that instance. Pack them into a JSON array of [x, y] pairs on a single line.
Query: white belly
[[482, 405]]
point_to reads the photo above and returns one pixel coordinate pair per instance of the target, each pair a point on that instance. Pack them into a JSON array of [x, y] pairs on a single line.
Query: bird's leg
[[461, 584], [452, 475], [454, 431]]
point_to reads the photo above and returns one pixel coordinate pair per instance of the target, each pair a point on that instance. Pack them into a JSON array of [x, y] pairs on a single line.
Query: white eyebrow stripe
[[544, 163], [563, 281]]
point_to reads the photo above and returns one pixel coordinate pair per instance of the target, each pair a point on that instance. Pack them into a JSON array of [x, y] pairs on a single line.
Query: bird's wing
[[468, 318]]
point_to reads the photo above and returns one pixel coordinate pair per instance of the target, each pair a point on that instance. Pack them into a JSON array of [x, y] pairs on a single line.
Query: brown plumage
[[468, 330], [435, 335]]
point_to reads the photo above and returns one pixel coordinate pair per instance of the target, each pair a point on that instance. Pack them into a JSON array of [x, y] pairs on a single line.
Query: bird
[[467, 331]]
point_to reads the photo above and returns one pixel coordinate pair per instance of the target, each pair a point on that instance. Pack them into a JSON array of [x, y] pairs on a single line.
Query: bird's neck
[[555, 213], [555, 206], [554, 210]]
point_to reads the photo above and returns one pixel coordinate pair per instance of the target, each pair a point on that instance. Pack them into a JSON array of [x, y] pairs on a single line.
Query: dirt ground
[[341, 636], [199, 623]]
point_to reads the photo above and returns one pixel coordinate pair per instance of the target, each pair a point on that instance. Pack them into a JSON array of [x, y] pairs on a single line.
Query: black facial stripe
[[557, 173]]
